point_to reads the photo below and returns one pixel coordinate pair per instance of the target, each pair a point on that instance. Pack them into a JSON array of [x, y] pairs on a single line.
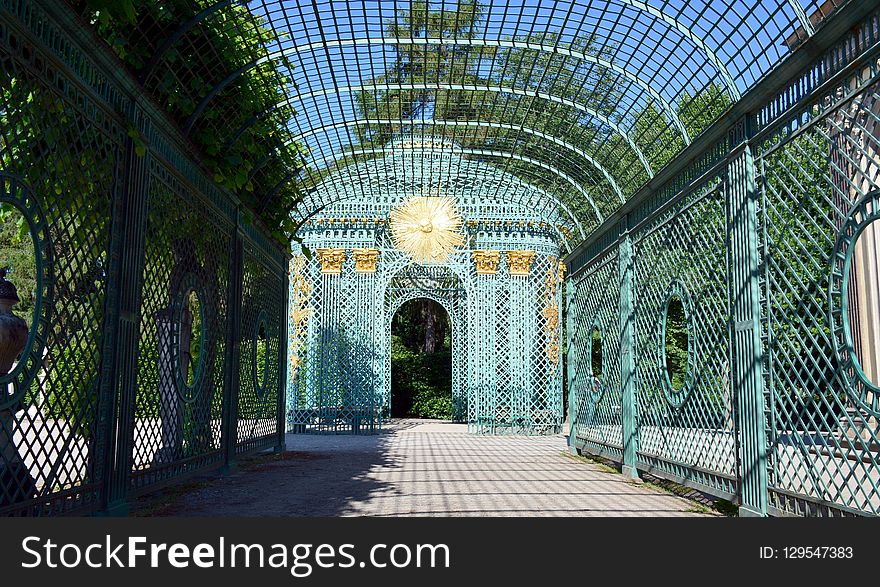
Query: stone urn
[[16, 482], [13, 330]]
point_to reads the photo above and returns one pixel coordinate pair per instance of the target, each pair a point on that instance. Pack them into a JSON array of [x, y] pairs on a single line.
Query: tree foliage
[[242, 133], [421, 361], [676, 343]]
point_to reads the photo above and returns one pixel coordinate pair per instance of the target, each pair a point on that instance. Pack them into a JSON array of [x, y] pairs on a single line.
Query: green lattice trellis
[[769, 237], [729, 147], [504, 381], [125, 228]]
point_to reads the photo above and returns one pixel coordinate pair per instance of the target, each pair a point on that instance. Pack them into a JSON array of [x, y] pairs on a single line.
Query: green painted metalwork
[[124, 227], [507, 44], [747, 351], [618, 59], [506, 368], [768, 236], [13, 193], [645, 138], [627, 353]]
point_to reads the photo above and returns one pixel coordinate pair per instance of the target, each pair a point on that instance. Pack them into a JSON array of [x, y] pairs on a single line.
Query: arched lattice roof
[[584, 100], [432, 166]]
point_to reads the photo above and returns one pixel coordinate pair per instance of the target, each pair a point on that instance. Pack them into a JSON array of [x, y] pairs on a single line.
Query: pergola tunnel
[[649, 225]]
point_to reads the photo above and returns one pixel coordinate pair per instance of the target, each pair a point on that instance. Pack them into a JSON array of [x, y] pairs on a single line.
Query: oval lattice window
[[262, 356], [676, 342], [191, 329]]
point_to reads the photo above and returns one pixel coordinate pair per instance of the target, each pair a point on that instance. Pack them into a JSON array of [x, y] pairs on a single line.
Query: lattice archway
[[453, 304], [500, 289]]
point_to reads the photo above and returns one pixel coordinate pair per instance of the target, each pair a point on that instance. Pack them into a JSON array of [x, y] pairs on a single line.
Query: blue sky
[[674, 45]]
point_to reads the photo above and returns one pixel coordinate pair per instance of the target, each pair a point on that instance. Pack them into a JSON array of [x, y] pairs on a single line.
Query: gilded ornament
[[365, 260], [428, 229], [520, 262], [486, 262], [331, 260]]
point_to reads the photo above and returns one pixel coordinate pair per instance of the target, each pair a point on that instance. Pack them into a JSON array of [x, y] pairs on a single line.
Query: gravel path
[[421, 468]]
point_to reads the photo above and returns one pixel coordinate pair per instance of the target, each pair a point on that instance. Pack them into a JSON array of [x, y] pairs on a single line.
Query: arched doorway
[[409, 290], [421, 361]]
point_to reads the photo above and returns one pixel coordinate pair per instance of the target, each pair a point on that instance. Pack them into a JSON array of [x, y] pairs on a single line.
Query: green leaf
[[118, 10]]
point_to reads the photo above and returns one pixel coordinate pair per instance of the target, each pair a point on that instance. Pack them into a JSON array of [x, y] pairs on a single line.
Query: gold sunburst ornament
[[427, 228]]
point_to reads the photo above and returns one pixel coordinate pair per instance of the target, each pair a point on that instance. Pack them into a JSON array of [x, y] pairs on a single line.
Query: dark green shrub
[[421, 384]]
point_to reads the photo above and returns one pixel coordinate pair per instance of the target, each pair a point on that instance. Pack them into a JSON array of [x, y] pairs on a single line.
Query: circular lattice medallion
[[858, 384], [16, 200]]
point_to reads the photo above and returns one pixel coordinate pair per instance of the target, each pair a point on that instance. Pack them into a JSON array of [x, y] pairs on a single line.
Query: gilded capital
[[520, 262], [331, 260], [365, 260], [486, 262]]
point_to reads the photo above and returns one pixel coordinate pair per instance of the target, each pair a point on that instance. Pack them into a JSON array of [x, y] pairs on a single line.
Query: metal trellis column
[[281, 382], [125, 270], [484, 397], [569, 368], [233, 350], [627, 359], [745, 326]]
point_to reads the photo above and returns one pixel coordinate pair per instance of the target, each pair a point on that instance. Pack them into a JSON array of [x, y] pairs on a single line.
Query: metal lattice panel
[[820, 181], [186, 251], [261, 379], [506, 368], [51, 433], [768, 239], [682, 253], [596, 401], [133, 251]]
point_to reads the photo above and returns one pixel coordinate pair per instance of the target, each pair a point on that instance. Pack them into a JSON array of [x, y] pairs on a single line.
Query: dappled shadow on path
[[320, 475], [419, 468]]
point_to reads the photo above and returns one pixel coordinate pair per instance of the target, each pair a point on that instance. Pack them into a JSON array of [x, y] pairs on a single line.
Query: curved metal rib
[[191, 120], [184, 28], [802, 17], [507, 44], [693, 38], [472, 123], [487, 88], [490, 153]]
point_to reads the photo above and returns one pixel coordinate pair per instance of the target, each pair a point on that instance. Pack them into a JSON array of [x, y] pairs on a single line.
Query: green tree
[[421, 359], [17, 252], [242, 133]]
